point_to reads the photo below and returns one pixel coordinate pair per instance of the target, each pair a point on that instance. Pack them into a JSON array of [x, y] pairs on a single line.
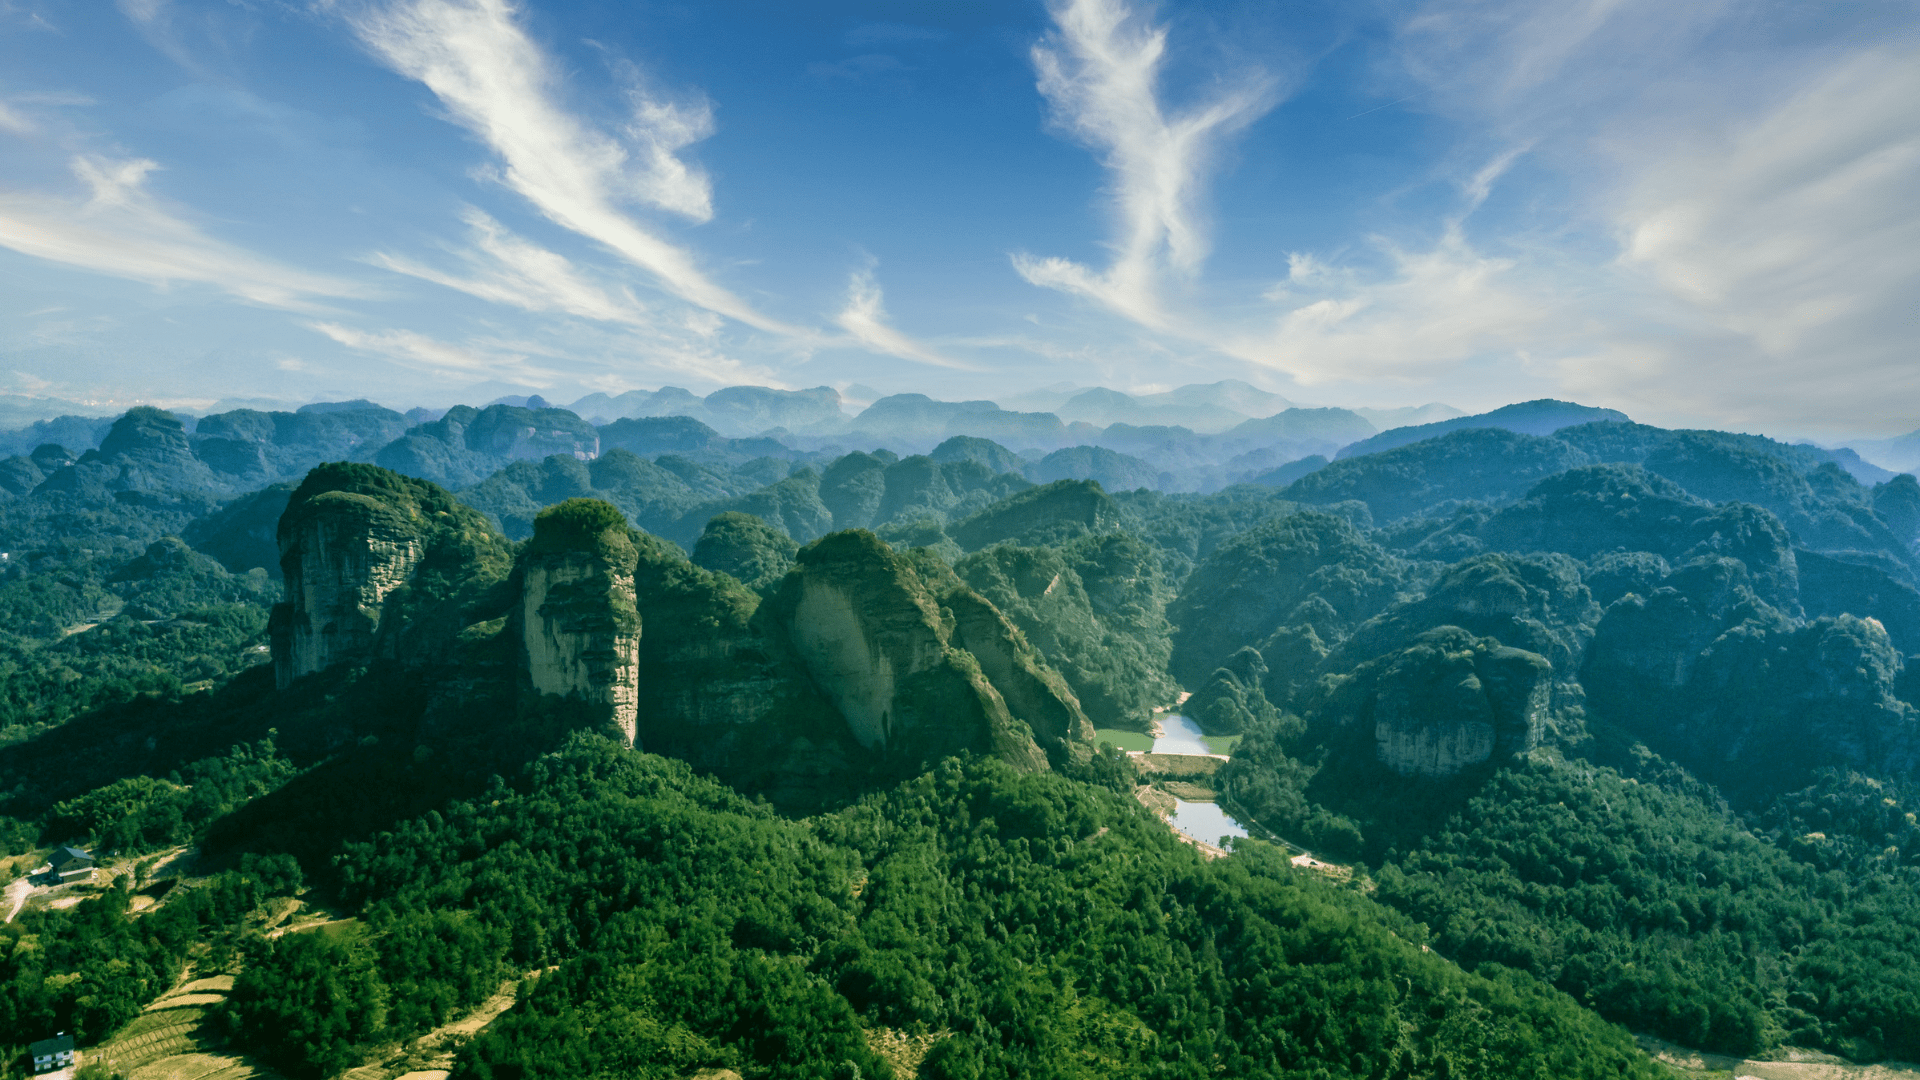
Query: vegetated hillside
[[1037, 919], [1619, 721]]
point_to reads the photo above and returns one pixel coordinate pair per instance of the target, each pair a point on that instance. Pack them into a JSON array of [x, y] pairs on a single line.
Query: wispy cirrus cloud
[[1790, 235], [504, 268], [430, 354], [1100, 71], [494, 80], [570, 352], [1431, 309], [865, 320], [1734, 242], [121, 229]]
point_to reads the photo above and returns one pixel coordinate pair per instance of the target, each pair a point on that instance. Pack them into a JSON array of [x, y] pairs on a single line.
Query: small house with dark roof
[[69, 863], [51, 1054]]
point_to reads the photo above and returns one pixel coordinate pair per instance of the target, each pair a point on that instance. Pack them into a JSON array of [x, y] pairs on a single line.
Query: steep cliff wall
[[378, 566], [342, 559], [1033, 692], [1452, 701], [852, 662], [874, 637], [1444, 703], [579, 624]]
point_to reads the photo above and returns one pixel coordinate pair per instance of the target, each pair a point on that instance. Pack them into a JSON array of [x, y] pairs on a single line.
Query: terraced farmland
[[172, 1040]]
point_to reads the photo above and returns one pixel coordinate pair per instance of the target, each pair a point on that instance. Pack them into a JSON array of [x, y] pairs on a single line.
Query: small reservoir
[[1182, 736], [1204, 821], [1197, 819]]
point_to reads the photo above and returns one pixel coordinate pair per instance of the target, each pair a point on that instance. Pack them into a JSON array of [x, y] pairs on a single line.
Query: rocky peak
[[862, 623], [20, 474], [1451, 700], [52, 456], [1062, 509], [146, 450], [893, 653], [144, 429], [377, 565], [521, 433], [579, 624]]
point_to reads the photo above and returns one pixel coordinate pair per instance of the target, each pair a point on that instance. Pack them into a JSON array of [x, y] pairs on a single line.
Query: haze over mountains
[[1196, 438]]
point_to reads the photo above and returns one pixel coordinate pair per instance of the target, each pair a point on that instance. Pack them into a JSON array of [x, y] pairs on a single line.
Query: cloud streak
[[605, 358], [1100, 72], [120, 229], [865, 320], [505, 269], [1790, 237], [422, 352], [495, 81], [12, 121]]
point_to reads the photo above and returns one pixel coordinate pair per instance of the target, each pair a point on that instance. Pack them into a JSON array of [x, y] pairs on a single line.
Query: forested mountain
[[762, 750]]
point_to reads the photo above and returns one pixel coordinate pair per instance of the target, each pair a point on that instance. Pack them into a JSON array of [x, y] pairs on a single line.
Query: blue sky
[[1699, 213]]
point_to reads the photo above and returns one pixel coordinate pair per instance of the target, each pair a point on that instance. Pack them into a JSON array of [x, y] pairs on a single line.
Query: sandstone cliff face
[[1444, 703], [901, 669], [341, 558], [581, 633], [853, 660], [1451, 702], [377, 566], [1033, 692]]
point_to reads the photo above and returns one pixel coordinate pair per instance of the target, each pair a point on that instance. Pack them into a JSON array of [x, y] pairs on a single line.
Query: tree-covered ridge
[[1095, 608], [86, 628], [695, 929], [1666, 914]]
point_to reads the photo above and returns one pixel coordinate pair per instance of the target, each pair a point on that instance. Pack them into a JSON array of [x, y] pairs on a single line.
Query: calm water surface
[[1182, 737], [1204, 821]]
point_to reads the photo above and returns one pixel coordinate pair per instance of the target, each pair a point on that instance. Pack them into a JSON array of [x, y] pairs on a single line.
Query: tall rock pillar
[[342, 554], [578, 621]]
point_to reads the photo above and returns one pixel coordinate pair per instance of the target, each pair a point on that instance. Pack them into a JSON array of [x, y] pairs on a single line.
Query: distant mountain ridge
[[1542, 417], [754, 437]]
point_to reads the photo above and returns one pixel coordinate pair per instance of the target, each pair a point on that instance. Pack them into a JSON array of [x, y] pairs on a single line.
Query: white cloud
[[1100, 71], [563, 353], [494, 80], [1731, 241], [865, 319], [1531, 69], [506, 269], [1788, 225], [429, 354], [122, 230], [14, 122], [1430, 310], [1788, 240]]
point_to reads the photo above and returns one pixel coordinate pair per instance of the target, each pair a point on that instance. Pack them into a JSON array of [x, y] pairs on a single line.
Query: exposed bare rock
[[579, 624], [377, 566], [342, 557], [877, 641], [1452, 701]]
